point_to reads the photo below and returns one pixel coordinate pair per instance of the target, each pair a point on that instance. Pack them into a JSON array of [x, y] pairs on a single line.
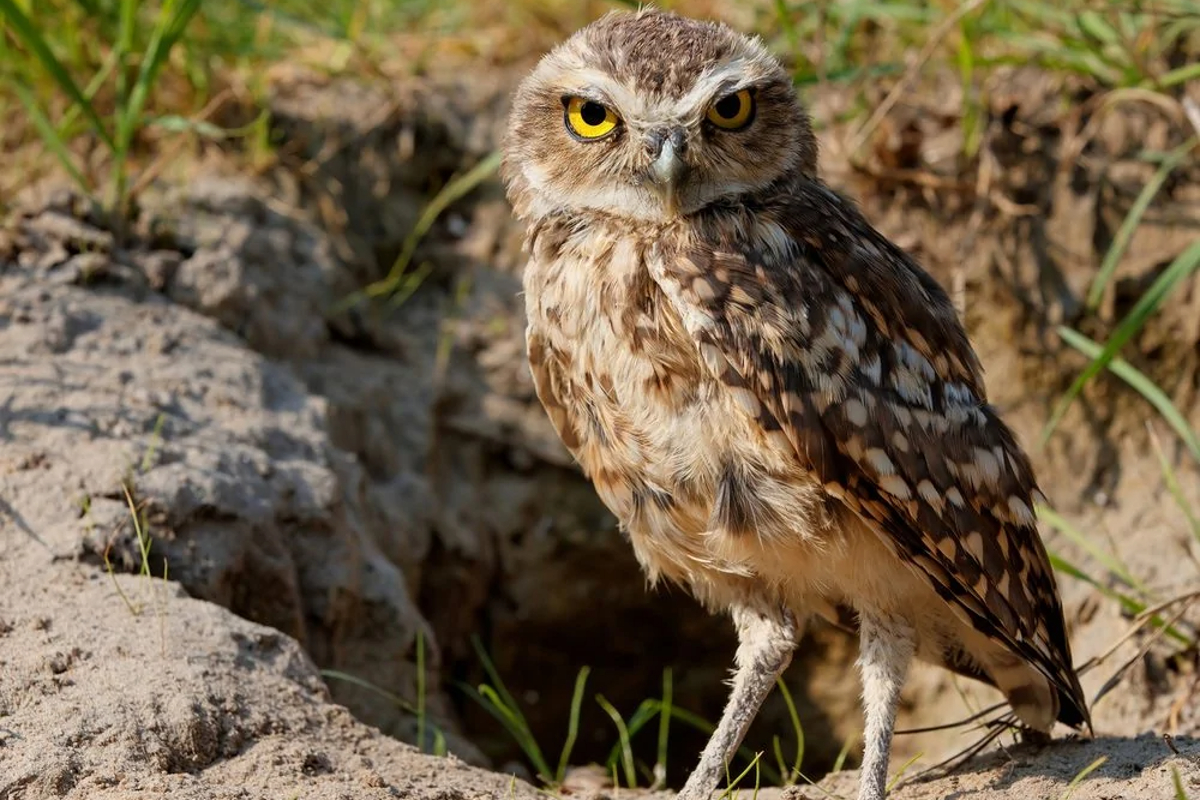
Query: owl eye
[[588, 119], [733, 111]]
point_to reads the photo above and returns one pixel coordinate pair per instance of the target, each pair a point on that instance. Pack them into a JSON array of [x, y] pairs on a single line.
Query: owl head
[[652, 116]]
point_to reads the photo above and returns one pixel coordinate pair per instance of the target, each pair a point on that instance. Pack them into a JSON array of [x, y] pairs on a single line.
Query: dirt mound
[[179, 698]]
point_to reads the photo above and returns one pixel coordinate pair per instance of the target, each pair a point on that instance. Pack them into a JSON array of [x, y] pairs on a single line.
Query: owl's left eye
[[733, 111], [588, 119]]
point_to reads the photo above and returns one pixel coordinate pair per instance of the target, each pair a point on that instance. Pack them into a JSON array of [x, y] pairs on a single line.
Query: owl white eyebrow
[[603, 89], [593, 93], [714, 84]]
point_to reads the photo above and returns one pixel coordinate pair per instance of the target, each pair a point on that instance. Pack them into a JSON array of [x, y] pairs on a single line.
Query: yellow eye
[[588, 119], [732, 111]]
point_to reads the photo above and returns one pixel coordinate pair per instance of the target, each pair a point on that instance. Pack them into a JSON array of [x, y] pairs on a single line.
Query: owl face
[[652, 116]]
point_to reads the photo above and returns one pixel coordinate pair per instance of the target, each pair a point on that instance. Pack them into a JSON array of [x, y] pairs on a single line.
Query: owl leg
[[765, 645], [885, 651]]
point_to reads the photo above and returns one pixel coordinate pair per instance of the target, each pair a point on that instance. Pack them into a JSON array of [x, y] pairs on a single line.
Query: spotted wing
[[855, 355]]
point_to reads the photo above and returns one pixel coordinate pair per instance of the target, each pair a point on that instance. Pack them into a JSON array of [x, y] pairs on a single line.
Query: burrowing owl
[[779, 405]]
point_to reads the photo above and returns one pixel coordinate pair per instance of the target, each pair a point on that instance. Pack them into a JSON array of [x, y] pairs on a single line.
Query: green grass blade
[[1177, 784], [502, 705], [145, 542], [642, 715], [451, 193], [704, 726], [173, 20], [1132, 219], [1105, 559], [494, 676], [572, 724], [439, 742], [732, 783], [31, 38], [1184, 265], [177, 124], [824, 792], [172, 23], [623, 734], [346, 677], [794, 772], [1083, 773], [1144, 386], [903, 769], [1178, 76], [1092, 24], [491, 702], [89, 91], [1061, 564], [1172, 482], [839, 763], [664, 726], [123, 47], [777, 749], [51, 138], [490, 694], [1128, 604]]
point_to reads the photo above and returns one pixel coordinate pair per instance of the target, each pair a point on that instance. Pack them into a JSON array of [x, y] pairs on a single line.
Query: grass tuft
[[499, 702], [1184, 265], [138, 47], [419, 708]]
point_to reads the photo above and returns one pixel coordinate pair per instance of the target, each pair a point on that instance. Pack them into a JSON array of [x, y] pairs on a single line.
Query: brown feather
[[954, 492]]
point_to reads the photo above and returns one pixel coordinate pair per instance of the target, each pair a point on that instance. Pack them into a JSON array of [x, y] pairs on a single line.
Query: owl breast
[[703, 493]]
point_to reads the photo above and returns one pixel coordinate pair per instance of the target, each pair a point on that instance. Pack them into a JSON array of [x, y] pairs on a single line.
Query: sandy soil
[[183, 700], [176, 697]]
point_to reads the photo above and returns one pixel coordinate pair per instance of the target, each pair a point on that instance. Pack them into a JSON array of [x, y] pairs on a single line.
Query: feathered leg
[[765, 645], [885, 651]]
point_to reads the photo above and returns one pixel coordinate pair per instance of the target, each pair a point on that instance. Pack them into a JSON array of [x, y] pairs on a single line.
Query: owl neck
[[717, 221]]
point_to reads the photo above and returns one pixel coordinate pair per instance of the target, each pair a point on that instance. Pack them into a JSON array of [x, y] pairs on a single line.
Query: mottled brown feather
[[869, 373]]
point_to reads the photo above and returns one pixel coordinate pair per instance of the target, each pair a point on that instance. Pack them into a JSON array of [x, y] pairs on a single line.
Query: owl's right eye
[[588, 119]]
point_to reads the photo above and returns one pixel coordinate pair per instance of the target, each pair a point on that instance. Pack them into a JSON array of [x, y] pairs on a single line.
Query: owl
[[779, 405]]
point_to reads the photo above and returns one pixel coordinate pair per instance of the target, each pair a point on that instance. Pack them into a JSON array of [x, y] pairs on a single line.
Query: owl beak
[[668, 168]]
